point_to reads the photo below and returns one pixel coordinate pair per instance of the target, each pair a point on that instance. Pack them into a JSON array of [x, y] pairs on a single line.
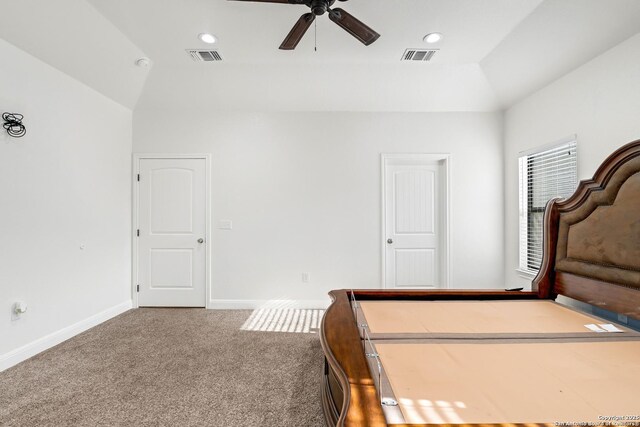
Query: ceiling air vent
[[204, 55], [419, 55]]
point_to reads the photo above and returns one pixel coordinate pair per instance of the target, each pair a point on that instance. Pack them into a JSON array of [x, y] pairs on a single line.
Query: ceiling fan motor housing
[[319, 7]]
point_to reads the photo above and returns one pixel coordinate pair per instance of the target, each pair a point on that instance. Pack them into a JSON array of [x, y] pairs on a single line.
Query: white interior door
[[172, 232], [414, 229]]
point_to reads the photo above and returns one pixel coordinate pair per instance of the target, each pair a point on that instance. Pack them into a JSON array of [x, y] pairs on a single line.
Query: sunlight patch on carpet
[[305, 321]]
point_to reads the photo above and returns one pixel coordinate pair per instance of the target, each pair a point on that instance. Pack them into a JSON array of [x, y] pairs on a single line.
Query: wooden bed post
[[543, 282]]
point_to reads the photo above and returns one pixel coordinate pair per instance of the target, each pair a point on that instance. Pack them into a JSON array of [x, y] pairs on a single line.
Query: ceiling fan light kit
[[346, 21]]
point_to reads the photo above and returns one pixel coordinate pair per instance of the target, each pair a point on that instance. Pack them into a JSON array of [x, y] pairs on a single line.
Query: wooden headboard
[[592, 239]]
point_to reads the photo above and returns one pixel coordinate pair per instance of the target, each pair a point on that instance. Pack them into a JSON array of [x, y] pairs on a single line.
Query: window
[[545, 173]]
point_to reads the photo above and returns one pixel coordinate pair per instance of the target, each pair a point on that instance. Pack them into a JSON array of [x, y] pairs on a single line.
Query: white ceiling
[[559, 36], [494, 51], [73, 37]]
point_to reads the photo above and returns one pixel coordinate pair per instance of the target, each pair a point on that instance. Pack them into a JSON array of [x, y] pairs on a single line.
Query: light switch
[[225, 224]]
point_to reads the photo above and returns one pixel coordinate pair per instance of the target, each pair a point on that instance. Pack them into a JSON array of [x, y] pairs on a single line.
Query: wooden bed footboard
[[349, 394]]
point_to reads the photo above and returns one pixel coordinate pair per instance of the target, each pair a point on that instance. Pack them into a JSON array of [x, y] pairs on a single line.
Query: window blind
[[549, 172]]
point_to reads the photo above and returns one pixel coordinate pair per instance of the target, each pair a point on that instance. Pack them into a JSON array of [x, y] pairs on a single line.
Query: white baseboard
[[20, 354], [246, 304]]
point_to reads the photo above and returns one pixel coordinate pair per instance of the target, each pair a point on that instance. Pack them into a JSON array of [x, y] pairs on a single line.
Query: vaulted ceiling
[[494, 52]]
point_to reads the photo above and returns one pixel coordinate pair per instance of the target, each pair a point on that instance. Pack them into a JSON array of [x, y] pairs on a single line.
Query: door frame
[[445, 208], [135, 211]]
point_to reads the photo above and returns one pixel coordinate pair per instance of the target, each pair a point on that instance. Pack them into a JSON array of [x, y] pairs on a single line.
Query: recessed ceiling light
[[207, 38], [432, 38]]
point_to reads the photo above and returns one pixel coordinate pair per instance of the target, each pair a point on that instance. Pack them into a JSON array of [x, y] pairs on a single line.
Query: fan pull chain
[[315, 30]]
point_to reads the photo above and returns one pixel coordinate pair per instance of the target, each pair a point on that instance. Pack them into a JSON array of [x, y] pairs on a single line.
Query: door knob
[[201, 240], [389, 241]]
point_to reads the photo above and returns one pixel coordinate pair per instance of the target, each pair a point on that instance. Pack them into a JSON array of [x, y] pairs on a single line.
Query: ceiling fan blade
[[275, 1], [298, 30], [356, 28]]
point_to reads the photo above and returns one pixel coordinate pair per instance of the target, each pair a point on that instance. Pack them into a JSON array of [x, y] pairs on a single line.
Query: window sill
[[526, 274]]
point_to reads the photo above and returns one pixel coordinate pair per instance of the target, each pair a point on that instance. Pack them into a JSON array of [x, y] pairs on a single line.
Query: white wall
[[599, 101], [303, 192], [65, 184]]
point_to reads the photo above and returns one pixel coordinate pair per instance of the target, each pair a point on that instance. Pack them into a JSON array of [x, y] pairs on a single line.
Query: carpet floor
[[169, 367]]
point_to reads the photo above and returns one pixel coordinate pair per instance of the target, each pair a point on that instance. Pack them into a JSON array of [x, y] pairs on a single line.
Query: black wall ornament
[[13, 124]]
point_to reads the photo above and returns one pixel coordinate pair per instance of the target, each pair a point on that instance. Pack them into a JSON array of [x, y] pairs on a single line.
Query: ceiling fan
[[353, 26]]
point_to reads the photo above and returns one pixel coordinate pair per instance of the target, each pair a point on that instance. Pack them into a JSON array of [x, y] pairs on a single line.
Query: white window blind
[[548, 172]]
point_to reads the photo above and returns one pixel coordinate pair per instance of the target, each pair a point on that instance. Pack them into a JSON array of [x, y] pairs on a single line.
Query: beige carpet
[[169, 367]]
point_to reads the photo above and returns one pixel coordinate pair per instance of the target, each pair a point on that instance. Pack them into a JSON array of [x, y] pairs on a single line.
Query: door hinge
[[138, 288], [138, 177], [138, 232]]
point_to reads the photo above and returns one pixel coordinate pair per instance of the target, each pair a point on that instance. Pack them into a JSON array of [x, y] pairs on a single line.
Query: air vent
[[204, 55], [418, 55]]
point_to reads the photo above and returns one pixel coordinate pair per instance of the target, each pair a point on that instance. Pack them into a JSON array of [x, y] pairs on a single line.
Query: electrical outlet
[[306, 277], [622, 318]]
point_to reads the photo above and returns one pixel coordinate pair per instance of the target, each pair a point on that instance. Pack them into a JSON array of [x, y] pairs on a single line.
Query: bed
[[452, 357]]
